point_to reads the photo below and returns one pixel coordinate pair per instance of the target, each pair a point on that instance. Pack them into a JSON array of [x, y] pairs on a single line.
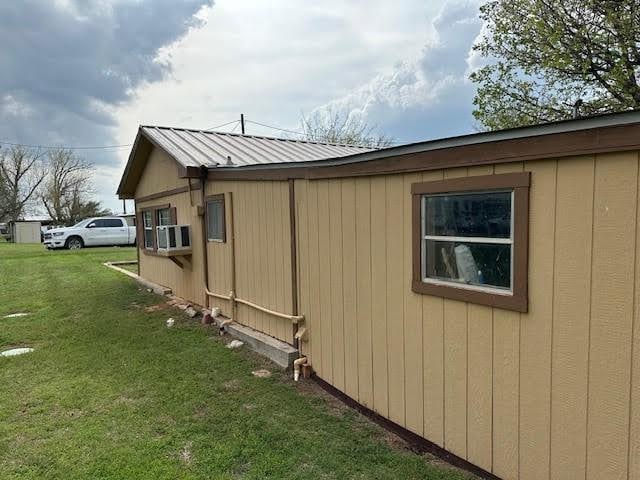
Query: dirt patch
[[185, 454], [334, 406], [156, 308], [337, 408], [232, 385]]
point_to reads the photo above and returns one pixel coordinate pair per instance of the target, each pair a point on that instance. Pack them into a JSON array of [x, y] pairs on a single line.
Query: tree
[[341, 127], [67, 188], [21, 174], [548, 56]]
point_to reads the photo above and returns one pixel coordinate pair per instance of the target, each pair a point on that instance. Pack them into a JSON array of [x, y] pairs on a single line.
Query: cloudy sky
[[88, 72]]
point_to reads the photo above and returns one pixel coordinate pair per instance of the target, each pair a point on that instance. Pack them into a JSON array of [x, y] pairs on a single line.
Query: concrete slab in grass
[[159, 289], [278, 352]]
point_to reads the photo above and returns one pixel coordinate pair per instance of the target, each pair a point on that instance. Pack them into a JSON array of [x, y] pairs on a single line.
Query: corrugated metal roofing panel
[[202, 147]]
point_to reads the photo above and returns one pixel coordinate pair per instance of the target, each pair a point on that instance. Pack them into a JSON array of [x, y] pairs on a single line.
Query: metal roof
[[195, 148], [561, 126]]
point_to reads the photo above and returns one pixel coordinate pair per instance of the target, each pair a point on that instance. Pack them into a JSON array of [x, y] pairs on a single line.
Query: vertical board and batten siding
[[263, 254], [185, 283], [262, 239], [549, 394], [161, 174]]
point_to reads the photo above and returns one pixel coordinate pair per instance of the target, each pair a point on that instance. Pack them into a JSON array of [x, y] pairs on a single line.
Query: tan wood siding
[[570, 333], [610, 331], [553, 393], [433, 352], [159, 174], [263, 254], [536, 327], [548, 394], [186, 283]]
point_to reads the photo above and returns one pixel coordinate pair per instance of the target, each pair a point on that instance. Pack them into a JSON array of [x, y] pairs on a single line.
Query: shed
[[25, 231], [480, 291]]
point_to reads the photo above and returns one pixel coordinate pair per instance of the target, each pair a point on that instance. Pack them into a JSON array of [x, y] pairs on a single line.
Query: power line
[[92, 147], [275, 128], [223, 125], [302, 133], [46, 147]]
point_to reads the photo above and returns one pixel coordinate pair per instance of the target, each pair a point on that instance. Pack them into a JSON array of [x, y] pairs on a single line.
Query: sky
[[86, 73]]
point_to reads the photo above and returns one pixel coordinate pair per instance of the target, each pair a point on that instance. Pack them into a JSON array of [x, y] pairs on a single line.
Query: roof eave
[[596, 122], [122, 191], [126, 190]]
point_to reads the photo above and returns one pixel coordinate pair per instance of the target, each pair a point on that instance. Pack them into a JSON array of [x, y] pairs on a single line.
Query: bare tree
[[21, 174], [341, 127], [67, 187]]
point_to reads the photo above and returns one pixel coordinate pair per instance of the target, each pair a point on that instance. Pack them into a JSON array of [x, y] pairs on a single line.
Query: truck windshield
[[80, 224]]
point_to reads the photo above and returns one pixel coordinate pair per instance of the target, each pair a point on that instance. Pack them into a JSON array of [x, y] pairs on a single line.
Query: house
[[480, 291]]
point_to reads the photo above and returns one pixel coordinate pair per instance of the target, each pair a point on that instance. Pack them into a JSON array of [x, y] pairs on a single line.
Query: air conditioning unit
[[174, 240]]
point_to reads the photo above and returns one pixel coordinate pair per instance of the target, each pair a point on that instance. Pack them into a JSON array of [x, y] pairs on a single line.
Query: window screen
[[216, 220]]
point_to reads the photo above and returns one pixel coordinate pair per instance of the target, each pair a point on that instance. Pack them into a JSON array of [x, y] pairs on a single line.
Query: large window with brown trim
[[470, 239]]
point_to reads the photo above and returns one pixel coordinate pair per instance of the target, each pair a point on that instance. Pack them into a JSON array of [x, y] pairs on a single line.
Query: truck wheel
[[74, 243]]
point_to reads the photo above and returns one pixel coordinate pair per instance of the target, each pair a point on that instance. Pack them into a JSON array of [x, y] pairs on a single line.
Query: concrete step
[[275, 350]]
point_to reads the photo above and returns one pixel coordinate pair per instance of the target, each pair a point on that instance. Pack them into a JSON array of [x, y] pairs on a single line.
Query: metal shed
[[25, 232]]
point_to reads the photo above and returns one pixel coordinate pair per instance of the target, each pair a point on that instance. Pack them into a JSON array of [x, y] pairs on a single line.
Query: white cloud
[[271, 60], [430, 95], [404, 65], [11, 106]]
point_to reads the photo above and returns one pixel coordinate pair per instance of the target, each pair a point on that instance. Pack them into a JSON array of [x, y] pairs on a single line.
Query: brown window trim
[[519, 183], [154, 223], [218, 197]]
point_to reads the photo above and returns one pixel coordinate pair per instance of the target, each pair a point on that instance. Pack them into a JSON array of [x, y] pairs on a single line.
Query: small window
[[216, 219], [148, 229], [163, 216], [470, 239]]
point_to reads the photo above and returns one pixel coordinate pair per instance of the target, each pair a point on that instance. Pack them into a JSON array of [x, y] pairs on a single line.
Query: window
[[151, 218], [470, 239], [148, 229], [111, 223], [216, 219], [163, 216]]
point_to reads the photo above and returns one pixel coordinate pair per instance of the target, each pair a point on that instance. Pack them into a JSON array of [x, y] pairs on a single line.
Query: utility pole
[[242, 123]]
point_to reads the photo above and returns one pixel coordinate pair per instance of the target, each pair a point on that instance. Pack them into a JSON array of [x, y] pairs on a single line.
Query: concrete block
[[279, 352]]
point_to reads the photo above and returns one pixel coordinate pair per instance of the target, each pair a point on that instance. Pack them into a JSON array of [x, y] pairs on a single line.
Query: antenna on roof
[[242, 123], [576, 108]]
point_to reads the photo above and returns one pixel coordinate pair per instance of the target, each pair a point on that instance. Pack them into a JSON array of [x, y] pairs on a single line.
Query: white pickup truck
[[92, 232]]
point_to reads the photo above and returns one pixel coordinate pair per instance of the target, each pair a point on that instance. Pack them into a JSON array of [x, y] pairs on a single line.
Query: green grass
[[111, 393], [132, 267]]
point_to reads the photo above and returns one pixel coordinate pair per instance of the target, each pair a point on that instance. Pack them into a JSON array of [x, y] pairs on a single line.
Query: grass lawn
[[132, 267], [111, 393]]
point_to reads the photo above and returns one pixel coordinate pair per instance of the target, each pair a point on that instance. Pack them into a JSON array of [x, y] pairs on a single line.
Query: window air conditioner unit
[[174, 240]]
